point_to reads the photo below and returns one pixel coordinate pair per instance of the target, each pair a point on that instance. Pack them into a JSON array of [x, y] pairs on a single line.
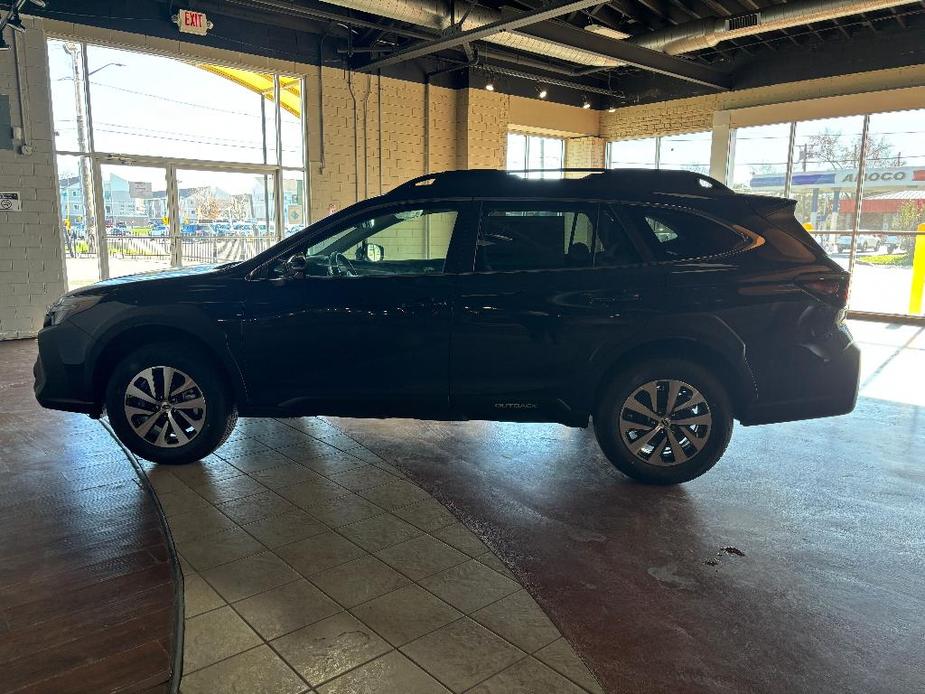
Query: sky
[[145, 104]]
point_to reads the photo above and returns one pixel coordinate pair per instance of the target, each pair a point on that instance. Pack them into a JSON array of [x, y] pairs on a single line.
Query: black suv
[[660, 304]]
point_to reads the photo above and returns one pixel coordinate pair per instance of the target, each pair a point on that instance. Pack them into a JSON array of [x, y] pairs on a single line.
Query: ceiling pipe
[[683, 38]]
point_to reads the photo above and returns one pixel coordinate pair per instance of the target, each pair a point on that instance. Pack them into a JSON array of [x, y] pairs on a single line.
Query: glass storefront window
[[160, 116], [290, 90], [826, 158], [65, 72], [225, 216], [759, 157], [633, 154], [293, 202], [892, 212], [81, 251], [883, 243], [177, 109], [535, 152], [137, 235], [690, 152]]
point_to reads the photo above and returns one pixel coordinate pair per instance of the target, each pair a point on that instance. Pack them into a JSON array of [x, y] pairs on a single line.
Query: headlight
[[68, 306]]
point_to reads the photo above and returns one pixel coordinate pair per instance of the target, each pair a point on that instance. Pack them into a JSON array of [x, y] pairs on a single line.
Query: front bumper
[[811, 380], [61, 378]]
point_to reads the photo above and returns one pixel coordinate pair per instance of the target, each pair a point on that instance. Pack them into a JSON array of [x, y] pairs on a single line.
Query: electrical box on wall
[[6, 126]]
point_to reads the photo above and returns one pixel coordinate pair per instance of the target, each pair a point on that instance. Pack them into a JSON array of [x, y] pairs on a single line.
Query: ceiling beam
[[523, 19], [631, 54]]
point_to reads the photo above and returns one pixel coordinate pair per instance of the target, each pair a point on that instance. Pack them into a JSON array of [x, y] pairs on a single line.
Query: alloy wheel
[[164, 406], [665, 422]]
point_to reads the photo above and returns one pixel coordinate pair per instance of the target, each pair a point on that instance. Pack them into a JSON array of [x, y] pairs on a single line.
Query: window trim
[[645, 254], [333, 225], [750, 239]]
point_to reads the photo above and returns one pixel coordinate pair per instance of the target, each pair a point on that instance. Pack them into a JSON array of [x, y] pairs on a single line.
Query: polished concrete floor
[[317, 557], [796, 565]]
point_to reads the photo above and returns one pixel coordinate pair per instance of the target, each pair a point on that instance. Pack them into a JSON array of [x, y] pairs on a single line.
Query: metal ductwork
[[684, 38]]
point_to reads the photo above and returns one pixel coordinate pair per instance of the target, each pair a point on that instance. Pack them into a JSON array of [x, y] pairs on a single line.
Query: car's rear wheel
[[664, 421], [167, 403]]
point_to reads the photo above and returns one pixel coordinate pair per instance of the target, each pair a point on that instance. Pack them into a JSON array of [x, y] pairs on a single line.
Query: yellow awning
[[290, 96]]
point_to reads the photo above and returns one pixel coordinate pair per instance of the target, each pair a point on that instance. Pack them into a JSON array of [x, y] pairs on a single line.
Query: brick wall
[[696, 113], [584, 153], [31, 266]]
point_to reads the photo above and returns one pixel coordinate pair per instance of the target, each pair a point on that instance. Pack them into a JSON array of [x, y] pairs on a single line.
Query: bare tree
[[843, 151]]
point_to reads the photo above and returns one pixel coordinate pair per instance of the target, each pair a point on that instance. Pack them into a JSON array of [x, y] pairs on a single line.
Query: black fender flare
[[122, 319], [704, 332]]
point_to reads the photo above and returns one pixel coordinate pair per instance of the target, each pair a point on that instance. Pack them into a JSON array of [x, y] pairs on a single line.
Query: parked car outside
[[242, 229], [865, 243], [657, 306], [198, 229], [159, 230]]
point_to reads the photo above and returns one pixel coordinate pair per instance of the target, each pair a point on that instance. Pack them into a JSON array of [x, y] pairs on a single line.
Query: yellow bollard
[[918, 273]]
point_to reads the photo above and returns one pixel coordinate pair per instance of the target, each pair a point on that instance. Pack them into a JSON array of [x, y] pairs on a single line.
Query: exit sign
[[191, 22]]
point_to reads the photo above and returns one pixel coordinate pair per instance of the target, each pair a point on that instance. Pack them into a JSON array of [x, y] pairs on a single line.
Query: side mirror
[[374, 252], [295, 266]]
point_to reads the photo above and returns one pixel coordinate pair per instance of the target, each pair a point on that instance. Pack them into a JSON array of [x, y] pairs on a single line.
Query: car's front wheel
[[664, 421], [167, 403]]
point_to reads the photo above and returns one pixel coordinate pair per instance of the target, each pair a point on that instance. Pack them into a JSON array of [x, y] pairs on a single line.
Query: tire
[[699, 445], [195, 380]]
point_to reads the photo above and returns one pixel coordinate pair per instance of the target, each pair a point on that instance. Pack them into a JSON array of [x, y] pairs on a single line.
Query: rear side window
[[531, 237], [676, 234]]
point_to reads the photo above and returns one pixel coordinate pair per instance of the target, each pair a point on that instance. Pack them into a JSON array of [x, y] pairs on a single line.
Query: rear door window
[[535, 236], [678, 234]]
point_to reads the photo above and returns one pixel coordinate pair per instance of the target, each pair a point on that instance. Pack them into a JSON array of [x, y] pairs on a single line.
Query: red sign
[[191, 22]]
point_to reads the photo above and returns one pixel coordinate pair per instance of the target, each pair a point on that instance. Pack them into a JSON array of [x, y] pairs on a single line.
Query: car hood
[[155, 276]]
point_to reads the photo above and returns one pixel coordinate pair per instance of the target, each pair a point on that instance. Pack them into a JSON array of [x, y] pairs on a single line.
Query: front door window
[[402, 241]]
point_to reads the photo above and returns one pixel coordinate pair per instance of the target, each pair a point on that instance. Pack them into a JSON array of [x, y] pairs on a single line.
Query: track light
[[15, 22], [612, 108], [39, 3], [585, 103], [541, 91], [490, 85]]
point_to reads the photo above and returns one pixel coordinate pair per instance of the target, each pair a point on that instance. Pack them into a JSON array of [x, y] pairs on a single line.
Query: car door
[[359, 323], [553, 285]]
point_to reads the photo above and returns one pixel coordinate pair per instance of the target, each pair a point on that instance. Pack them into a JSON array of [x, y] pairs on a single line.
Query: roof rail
[[668, 180]]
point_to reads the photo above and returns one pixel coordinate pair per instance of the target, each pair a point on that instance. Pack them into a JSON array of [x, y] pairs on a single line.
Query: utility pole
[[86, 176]]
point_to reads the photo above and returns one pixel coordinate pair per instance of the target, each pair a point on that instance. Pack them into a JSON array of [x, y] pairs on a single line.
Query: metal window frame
[[855, 230], [528, 136], [96, 159]]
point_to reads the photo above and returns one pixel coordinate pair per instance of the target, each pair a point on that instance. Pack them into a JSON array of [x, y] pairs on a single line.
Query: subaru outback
[[658, 306]]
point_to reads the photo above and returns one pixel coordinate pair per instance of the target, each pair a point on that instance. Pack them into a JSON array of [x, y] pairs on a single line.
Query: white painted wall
[[31, 257]]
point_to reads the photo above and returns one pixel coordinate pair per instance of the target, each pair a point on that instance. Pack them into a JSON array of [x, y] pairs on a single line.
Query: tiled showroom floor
[[310, 562]]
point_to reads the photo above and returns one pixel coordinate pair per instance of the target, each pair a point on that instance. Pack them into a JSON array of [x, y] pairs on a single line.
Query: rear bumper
[[61, 381], [815, 380]]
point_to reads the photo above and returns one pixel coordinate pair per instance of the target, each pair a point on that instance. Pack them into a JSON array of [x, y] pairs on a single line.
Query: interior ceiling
[[374, 36], [637, 17]]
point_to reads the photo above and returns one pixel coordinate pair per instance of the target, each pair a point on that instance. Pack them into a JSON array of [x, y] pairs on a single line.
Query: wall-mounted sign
[[139, 189], [190, 22], [294, 214], [10, 202]]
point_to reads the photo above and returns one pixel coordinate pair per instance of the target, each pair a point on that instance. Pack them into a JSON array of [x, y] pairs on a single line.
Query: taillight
[[832, 289]]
